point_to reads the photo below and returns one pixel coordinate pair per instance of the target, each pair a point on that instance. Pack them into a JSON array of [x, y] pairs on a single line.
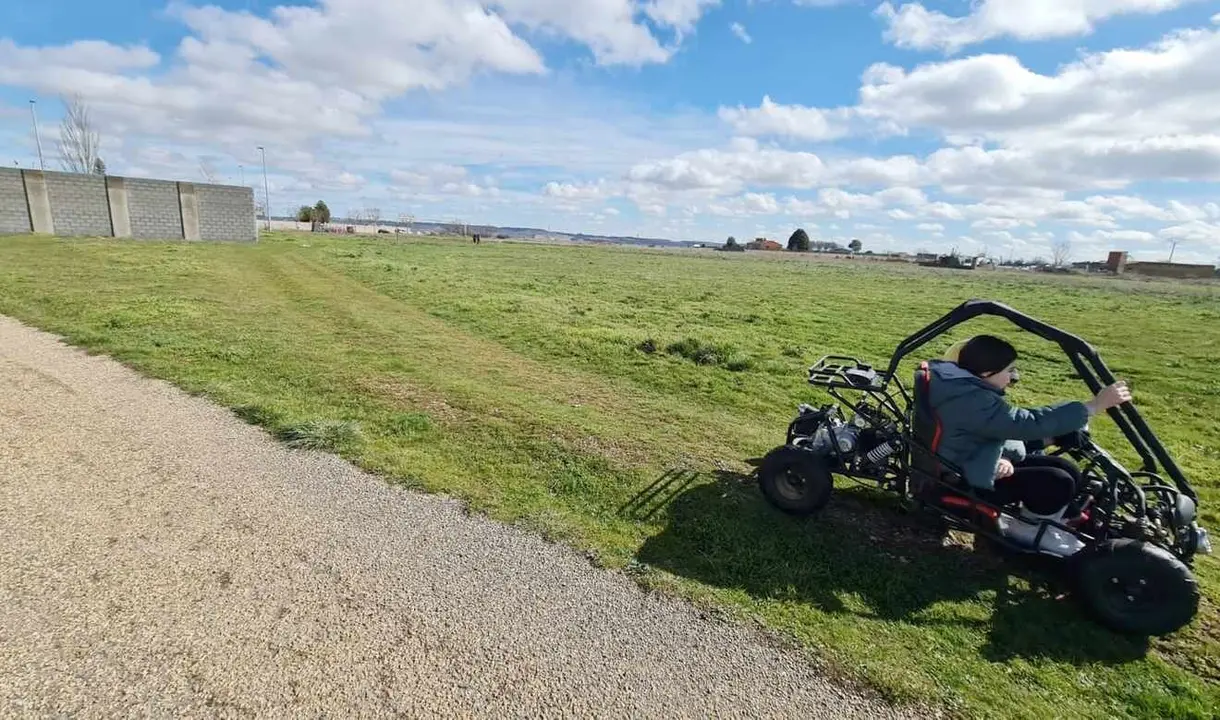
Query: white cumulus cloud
[[914, 26], [771, 118]]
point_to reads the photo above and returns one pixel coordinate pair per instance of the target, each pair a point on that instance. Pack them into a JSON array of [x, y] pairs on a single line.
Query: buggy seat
[[925, 427], [933, 479]]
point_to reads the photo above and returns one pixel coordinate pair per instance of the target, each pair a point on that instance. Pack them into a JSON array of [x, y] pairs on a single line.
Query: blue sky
[[1004, 126]]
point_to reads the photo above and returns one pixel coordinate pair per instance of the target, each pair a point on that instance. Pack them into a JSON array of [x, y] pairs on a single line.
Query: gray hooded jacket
[[978, 427]]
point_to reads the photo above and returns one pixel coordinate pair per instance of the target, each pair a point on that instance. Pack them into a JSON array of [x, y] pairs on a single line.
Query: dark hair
[[985, 354]]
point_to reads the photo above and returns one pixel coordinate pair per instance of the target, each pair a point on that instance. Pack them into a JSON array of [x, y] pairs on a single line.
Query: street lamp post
[[266, 190], [37, 137]]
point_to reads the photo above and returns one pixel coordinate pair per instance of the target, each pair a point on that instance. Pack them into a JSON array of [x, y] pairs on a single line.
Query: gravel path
[[158, 557]]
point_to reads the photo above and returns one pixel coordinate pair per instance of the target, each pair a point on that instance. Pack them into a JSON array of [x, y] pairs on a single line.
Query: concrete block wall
[[78, 204], [153, 208], [108, 206], [14, 208], [226, 213]]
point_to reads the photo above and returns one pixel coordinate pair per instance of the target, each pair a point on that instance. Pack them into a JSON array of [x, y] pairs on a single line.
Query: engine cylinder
[[846, 436]]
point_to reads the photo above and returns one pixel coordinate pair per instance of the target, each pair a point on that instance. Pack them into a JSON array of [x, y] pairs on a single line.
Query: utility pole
[[37, 138], [266, 191], [242, 170]]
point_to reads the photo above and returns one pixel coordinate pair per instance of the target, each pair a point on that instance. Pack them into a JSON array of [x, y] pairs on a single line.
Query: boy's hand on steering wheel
[[1004, 469]]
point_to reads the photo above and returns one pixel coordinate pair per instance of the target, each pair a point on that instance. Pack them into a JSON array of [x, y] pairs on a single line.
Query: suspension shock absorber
[[881, 452]]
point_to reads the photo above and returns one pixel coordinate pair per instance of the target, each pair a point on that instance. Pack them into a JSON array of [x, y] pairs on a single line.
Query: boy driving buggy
[[988, 438], [1127, 558]]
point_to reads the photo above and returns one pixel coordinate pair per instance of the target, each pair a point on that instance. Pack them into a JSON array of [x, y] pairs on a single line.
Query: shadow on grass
[[1036, 623], [864, 556], [645, 504]]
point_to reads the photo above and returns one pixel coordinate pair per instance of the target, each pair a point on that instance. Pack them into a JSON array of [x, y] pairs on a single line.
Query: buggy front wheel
[[1136, 588], [795, 481]]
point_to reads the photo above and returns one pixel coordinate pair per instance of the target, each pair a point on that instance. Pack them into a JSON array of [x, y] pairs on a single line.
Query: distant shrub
[[707, 355], [687, 348], [738, 363], [702, 353]]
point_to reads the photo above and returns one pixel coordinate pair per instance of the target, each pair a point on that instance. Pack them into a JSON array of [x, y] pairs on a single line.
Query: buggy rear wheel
[[1136, 588], [795, 481]]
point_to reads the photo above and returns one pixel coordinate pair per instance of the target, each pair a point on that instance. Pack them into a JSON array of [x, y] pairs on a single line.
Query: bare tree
[[373, 214], [406, 219], [1061, 252], [79, 141], [207, 171]]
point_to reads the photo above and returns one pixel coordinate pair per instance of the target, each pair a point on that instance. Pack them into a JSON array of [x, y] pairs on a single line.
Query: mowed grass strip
[[608, 397]]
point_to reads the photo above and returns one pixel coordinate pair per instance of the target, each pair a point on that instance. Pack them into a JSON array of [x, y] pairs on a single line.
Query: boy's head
[[990, 358]]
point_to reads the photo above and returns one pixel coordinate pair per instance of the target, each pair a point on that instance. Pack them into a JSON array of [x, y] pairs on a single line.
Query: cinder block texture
[[14, 210], [79, 204], [153, 208], [226, 212]]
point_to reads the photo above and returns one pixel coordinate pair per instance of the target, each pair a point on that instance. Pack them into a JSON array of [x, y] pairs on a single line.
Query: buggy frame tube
[[1095, 385], [1127, 417]]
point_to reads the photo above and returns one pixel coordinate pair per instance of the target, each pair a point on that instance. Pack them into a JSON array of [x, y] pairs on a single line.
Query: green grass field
[[609, 397]]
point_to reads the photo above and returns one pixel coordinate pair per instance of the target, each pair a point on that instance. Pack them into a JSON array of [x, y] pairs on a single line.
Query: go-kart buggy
[[1127, 552]]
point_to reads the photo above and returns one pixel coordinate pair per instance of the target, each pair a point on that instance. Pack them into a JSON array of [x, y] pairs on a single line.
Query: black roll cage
[[1085, 359]]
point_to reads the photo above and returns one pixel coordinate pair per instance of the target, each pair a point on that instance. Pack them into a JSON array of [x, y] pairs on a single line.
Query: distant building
[[1118, 264], [1171, 270], [763, 244]]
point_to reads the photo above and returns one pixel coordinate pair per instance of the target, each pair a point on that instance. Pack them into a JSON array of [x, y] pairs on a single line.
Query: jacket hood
[[950, 381]]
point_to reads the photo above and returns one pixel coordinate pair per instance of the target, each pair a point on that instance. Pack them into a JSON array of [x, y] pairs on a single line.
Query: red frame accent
[[962, 502], [949, 498], [927, 388]]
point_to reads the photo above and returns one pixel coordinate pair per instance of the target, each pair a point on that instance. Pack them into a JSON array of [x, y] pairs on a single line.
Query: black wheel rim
[[791, 485], [1126, 593]]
